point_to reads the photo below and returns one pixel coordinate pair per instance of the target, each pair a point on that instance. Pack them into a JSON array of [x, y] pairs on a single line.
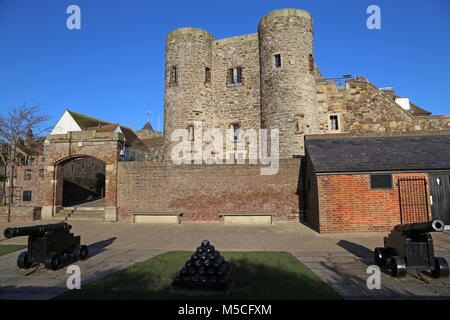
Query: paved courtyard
[[340, 260]]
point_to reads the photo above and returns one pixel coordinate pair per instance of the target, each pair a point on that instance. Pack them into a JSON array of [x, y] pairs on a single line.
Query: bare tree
[[18, 128]]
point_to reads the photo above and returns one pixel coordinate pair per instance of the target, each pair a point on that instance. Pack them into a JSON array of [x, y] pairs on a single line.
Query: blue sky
[[113, 68]]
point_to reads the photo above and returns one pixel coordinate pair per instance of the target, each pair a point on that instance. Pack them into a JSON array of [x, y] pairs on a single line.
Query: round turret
[[187, 95], [288, 93]]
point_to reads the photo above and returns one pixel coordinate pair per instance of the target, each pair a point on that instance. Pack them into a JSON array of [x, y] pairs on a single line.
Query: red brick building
[[363, 184]]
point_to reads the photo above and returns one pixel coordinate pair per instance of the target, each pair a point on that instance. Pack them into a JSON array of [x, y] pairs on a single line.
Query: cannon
[[48, 244], [410, 247]]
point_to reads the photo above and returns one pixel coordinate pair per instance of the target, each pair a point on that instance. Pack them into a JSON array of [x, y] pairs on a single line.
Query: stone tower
[[288, 94], [187, 96]]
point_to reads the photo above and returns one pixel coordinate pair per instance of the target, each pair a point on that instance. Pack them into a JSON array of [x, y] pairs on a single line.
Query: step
[[88, 209]]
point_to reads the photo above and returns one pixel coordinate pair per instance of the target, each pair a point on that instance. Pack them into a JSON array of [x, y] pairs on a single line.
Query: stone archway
[[102, 148], [81, 180]]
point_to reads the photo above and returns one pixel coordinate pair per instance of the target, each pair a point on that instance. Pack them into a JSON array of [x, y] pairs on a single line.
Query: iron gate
[[413, 197]]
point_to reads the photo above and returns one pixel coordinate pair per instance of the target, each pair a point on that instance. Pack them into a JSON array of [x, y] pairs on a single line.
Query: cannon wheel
[[398, 267], [81, 252], [440, 268], [52, 261], [23, 261], [380, 256]]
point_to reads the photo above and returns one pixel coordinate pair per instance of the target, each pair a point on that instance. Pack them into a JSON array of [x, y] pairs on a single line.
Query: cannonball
[[205, 243]]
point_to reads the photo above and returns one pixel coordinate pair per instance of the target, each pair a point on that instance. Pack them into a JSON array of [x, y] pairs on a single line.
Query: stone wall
[[238, 103], [274, 98], [362, 108], [203, 192], [288, 94]]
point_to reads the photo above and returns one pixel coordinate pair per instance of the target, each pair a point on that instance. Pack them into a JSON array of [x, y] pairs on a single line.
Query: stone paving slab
[[346, 274], [340, 260], [44, 284]]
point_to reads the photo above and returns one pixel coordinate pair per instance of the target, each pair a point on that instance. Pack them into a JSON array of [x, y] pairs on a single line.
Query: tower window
[[207, 75], [334, 123], [277, 60], [173, 76], [236, 132], [235, 75], [191, 132], [311, 63], [239, 75]]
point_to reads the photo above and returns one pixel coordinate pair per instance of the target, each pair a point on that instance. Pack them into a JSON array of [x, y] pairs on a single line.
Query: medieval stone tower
[[288, 93], [261, 80]]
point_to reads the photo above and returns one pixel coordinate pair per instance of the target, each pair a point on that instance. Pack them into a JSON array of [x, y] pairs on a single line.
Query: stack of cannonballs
[[206, 269]]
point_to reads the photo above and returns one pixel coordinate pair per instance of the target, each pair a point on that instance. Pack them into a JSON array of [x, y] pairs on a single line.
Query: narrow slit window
[[173, 76], [311, 63], [277, 60], [334, 123], [207, 75], [231, 76], [236, 132], [191, 133], [239, 75]]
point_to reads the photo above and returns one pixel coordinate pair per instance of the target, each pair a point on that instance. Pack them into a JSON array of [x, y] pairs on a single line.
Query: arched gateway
[[81, 169]]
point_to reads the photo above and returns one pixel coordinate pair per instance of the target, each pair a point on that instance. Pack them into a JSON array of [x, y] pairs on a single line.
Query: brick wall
[[34, 183], [346, 203], [19, 214], [203, 192]]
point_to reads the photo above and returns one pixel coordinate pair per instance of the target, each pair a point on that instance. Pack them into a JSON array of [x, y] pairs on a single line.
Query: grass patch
[[259, 275], [7, 248]]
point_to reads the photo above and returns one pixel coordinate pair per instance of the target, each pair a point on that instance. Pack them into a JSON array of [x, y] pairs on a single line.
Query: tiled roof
[[365, 154], [85, 121], [89, 123]]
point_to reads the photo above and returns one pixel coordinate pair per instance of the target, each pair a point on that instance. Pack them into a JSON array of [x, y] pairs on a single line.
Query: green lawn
[[7, 248], [259, 275]]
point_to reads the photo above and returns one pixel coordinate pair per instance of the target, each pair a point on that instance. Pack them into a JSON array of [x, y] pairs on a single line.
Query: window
[[239, 75], [277, 60], [41, 173], [207, 76], [235, 75], [334, 123], [381, 181], [26, 196], [311, 63], [27, 175], [173, 76], [191, 132], [236, 132]]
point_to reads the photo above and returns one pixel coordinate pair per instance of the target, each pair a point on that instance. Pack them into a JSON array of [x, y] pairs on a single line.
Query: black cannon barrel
[[421, 227], [35, 231]]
